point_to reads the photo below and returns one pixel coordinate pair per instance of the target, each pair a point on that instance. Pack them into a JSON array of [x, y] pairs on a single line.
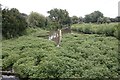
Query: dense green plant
[[93, 17], [74, 19], [60, 17], [13, 23], [79, 56], [103, 20], [37, 32], [104, 29], [36, 20]]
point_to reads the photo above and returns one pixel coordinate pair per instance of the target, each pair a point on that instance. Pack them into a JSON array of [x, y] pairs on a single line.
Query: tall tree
[[13, 23], [75, 19], [93, 17], [60, 17], [88, 18]]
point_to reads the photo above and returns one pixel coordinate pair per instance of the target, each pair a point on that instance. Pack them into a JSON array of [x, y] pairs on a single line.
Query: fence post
[[59, 37]]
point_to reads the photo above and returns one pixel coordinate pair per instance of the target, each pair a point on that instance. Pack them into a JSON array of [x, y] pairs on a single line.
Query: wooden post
[[56, 36], [59, 37]]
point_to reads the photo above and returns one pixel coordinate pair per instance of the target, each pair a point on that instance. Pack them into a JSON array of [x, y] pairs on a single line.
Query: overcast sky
[[75, 7]]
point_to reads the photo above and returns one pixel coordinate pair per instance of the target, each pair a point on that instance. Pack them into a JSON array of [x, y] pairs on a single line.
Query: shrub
[[79, 56], [13, 23], [36, 20], [104, 29]]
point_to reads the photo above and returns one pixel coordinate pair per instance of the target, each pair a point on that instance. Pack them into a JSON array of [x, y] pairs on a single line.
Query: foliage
[[117, 19], [75, 19], [106, 20], [79, 56], [100, 20], [81, 20], [36, 20], [60, 17], [93, 17], [37, 32], [104, 29], [13, 23]]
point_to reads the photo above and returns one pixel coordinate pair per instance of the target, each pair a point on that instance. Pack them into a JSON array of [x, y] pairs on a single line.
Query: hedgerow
[[104, 29]]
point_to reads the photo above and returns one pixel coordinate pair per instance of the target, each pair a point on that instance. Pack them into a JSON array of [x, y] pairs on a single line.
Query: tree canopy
[[13, 23], [75, 19], [36, 20], [93, 17], [59, 16]]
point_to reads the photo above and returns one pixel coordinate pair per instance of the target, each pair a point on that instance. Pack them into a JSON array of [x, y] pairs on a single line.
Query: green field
[[89, 55]]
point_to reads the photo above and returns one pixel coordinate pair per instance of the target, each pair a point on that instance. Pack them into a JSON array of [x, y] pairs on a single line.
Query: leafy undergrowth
[[37, 32], [79, 56], [104, 29]]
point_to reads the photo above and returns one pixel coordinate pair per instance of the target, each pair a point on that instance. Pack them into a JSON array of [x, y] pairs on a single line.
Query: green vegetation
[[93, 17], [90, 52], [60, 18], [104, 29], [36, 20], [80, 56], [13, 23], [75, 19]]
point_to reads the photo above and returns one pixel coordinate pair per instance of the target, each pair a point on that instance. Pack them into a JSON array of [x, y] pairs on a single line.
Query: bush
[[104, 29], [13, 23], [36, 20], [79, 56], [9, 61]]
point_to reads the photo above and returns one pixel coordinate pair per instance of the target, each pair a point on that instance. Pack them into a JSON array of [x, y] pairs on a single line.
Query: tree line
[[94, 17], [15, 23]]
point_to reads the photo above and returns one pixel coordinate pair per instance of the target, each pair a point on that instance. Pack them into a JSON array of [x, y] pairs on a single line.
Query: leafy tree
[[106, 20], [36, 20], [100, 20], [59, 17], [13, 23], [75, 19], [117, 19], [88, 18], [50, 25], [93, 17], [96, 15], [81, 19], [113, 20]]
